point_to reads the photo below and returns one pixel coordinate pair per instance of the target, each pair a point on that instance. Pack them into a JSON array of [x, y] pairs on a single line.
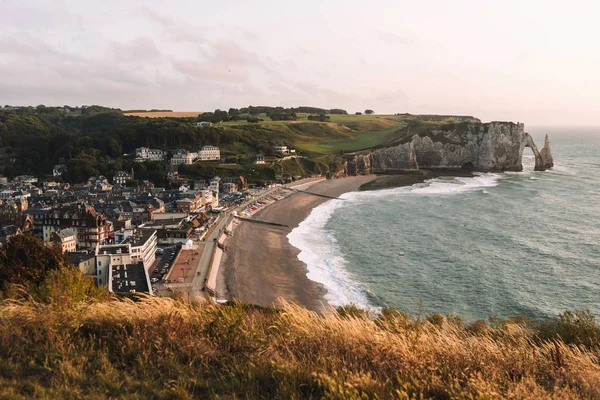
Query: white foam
[[321, 254], [319, 251]]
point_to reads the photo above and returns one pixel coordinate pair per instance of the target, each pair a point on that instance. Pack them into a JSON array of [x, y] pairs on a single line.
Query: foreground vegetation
[[165, 348], [61, 337]]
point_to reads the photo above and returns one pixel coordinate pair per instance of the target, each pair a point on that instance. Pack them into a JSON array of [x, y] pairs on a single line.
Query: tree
[[26, 261], [369, 112], [358, 113]]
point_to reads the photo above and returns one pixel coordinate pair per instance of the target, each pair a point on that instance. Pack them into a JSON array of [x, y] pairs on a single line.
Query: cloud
[[393, 39], [140, 49], [174, 29]]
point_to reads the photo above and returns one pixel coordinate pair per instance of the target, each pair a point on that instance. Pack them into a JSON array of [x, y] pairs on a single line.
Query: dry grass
[[160, 114], [162, 348]]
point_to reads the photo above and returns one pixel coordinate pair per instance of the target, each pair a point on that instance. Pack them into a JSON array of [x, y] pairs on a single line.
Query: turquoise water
[[504, 244]]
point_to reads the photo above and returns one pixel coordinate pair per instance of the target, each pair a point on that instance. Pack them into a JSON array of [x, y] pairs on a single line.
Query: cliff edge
[[494, 146]]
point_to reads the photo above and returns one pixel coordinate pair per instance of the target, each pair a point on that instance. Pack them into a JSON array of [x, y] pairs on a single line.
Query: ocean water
[[497, 244]]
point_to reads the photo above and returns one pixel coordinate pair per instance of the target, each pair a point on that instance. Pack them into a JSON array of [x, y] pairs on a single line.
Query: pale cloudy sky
[[532, 61]]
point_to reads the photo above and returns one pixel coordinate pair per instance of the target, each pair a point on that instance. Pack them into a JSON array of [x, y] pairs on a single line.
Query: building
[[59, 169], [215, 183], [3, 179], [140, 247], [65, 239], [229, 187], [202, 124], [91, 227], [188, 205], [210, 153], [26, 179], [84, 261], [281, 150], [129, 278], [122, 177], [146, 154], [183, 157], [259, 159]]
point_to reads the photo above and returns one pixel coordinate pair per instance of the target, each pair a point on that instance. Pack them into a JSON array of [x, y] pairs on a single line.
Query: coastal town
[[132, 236]]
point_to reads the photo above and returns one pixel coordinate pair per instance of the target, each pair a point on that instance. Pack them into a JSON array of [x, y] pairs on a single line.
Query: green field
[[358, 141]]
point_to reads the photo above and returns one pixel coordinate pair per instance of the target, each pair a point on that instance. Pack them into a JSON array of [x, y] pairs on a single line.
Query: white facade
[[214, 184], [203, 124], [146, 154], [121, 177], [132, 250], [210, 153], [281, 149], [183, 157]]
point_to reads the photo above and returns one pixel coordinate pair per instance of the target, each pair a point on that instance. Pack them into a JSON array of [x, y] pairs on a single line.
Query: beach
[[260, 266]]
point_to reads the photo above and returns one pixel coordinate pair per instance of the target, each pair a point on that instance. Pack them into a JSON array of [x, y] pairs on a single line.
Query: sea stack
[[546, 153]]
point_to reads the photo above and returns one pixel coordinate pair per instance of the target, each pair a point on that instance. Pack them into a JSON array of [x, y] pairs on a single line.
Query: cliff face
[[494, 146]]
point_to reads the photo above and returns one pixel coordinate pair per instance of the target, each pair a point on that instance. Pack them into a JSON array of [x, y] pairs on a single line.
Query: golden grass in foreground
[[161, 114], [162, 348]]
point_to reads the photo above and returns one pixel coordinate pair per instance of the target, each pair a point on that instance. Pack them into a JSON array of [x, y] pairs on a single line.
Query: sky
[[536, 62]]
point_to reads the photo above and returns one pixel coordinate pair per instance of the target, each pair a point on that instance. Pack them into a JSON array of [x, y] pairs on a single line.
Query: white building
[[121, 177], [281, 149], [146, 154], [183, 157], [141, 246], [58, 169], [202, 124], [215, 183], [210, 153], [259, 159]]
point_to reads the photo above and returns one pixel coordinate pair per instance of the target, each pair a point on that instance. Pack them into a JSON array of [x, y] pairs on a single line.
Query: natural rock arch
[[543, 159]]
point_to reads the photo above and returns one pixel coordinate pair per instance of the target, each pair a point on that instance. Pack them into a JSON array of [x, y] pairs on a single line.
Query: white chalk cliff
[[494, 146]]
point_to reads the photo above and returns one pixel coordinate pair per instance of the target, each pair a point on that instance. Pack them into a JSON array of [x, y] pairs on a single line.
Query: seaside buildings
[[146, 154], [140, 247], [65, 239], [91, 227], [122, 177], [183, 157], [210, 153]]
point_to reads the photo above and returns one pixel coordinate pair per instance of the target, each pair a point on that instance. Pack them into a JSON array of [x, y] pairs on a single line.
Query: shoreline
[[261, 266]]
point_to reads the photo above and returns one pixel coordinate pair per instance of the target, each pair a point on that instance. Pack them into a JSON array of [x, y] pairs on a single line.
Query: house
[[140, 247], [183, 157], [26, 179], [210, 153], [215, 183], [146, 154], [240, 181], [121, 177], [129, 278], [65, 239], [3, 179], [91, 227], [59, 169], [84, 261], [229, 187], [281, 150], [201, 124], [259, 159]]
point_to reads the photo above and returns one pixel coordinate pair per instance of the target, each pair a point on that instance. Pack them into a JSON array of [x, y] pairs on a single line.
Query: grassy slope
[[165, 349]]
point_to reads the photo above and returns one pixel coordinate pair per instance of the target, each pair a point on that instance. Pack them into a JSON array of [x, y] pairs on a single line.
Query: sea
[[497, 244]]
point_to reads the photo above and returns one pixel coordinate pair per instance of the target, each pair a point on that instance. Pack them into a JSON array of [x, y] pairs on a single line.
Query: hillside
[[95, 140], [167, 349]]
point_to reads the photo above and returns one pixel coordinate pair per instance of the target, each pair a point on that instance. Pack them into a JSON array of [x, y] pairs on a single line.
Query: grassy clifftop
[[169, 349]]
